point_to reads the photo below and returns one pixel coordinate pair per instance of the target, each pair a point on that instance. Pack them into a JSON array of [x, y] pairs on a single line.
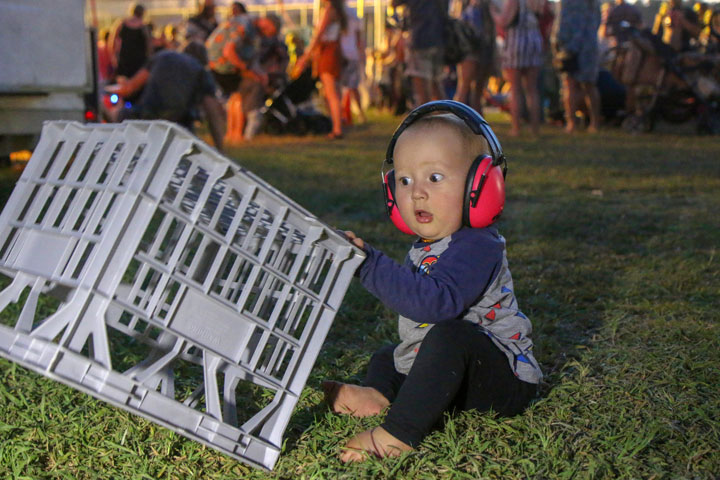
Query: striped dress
[[523, 41]]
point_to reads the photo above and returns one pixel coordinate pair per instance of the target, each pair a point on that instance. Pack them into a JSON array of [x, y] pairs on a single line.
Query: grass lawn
[[612, 241]]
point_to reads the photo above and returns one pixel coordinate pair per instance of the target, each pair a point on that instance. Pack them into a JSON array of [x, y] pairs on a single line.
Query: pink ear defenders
[[485, 184]]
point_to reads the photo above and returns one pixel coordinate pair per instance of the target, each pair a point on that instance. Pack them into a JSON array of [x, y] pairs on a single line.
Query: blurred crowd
[[575, 63]]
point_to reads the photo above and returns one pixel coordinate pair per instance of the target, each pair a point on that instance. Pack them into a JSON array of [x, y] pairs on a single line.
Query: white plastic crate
[[157, 275]]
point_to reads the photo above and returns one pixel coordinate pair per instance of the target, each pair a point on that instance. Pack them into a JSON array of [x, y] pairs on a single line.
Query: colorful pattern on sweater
[[463, 276]]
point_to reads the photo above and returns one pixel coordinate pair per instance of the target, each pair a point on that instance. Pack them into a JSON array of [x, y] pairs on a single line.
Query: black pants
[[457, 368]]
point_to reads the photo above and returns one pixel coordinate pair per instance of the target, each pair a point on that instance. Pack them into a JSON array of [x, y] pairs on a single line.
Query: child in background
[[465, 344]]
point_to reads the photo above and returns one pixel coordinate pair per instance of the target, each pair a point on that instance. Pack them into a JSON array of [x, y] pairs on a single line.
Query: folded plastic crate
[[159, 276]]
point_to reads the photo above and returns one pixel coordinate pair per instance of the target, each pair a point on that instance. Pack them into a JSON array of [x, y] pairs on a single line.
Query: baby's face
[[430, 174]]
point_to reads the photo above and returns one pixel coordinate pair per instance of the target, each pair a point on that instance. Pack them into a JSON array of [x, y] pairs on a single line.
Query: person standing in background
[[522, 57], [325, 45], [106, 72], [392, 60], [424, 56], [476, 68], [234, 59], [131, 44], [199, 27], [678, 26], [576, 35], [353, 52], [172, 40]]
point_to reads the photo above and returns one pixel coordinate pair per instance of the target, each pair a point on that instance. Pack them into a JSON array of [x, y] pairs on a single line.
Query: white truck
[[47, 72]]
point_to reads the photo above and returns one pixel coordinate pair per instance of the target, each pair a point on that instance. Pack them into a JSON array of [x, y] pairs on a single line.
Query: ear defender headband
[[484, 197]]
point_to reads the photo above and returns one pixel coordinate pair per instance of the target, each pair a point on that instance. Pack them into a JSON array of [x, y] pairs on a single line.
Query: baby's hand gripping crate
[[155, 274]]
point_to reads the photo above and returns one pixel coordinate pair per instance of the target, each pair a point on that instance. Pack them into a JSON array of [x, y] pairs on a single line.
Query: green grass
[[612, 241]]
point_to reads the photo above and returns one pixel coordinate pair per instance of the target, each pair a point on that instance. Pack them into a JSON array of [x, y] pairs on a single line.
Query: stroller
[[664, 84], [289, 109]]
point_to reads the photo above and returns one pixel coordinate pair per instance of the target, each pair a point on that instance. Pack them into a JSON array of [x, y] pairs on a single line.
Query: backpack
[[461, 39]]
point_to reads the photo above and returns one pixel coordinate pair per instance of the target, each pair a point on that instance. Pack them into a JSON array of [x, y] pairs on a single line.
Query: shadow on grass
[[568, 255]]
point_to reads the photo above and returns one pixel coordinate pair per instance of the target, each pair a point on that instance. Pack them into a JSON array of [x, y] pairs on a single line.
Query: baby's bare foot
[[353, 399], [377, 442]]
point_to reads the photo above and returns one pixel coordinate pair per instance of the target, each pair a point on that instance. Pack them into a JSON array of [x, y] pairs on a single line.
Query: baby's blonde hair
[[473, 144]]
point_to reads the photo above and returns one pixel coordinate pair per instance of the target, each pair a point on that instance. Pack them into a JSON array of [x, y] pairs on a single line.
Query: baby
[[465, 344]]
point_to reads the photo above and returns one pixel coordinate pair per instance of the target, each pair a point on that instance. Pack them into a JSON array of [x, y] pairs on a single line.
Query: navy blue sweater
[[463, 276]]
